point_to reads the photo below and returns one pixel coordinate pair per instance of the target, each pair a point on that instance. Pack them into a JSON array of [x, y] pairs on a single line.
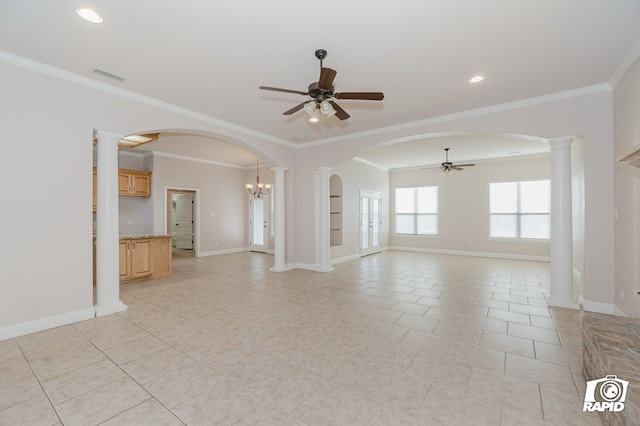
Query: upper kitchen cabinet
[[136, 183]]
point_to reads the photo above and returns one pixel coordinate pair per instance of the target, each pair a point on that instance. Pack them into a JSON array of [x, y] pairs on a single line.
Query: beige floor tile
[[77, 382], [390, 354], [134, 349], [410, 308], [506, 391], [443, 314], [383, 330], [542, 372], [415, 322], [18, 385], [559, 355], [346, 341], [51, 343], [528, 309], [517, 418], [249, 362], [434, 302], [346, 370], [333, 404], [427, 342], [286, 387], [387, 416], [50, 366], [442, 370], [155, 364], [509, 316], [565, 409], [571, 341], [535, 333], [182, 383], [381, 314], [91, 407], [268, 415], [457, 332], [35, 411], [437, 408], [396, 390], [569, 327], [512, 344], [150, 412], [222, 403], [477, 356], [489, 324]]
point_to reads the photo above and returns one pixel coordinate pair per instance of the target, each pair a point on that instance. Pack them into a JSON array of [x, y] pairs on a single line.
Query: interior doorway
[[181, 210], [369, 222]]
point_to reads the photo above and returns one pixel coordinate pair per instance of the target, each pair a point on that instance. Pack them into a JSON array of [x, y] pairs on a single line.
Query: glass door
[[258, 225], [369, 222]]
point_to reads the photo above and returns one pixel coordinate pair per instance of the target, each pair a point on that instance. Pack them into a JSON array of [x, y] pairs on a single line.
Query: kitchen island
[[144, 257]]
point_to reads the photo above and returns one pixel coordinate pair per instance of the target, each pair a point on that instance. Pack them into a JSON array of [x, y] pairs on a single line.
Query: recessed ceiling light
[[90, 15], [476, 79]]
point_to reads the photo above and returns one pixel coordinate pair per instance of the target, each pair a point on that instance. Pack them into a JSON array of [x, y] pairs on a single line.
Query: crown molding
[[567, 94], [626, 63], [49, 70]]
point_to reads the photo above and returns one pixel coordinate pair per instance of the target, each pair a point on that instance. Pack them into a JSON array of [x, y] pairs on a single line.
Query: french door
[[369, 222], [258, 223]]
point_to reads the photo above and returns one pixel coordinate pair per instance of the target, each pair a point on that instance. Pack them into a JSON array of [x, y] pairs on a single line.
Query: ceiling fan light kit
[[448, 167], [322, 91]]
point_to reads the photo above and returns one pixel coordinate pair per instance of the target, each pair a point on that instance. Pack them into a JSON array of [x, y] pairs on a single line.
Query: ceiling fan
[[322, 93], [448, 167]]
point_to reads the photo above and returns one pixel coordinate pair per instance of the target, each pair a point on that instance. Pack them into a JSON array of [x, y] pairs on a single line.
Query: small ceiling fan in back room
[[448, 167], [322, 93]]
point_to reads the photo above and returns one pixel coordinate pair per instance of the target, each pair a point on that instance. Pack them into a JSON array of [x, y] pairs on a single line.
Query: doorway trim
[[196, 214]]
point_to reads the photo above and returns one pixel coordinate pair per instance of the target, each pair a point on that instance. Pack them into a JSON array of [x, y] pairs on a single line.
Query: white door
[[182, 226], [369, 222], [258, 224]]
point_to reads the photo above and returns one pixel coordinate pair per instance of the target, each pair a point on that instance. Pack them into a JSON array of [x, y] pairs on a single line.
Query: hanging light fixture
[[314, 108], [259, 189]]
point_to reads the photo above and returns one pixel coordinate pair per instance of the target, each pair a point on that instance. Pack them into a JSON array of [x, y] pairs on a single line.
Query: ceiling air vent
[[108, 75]]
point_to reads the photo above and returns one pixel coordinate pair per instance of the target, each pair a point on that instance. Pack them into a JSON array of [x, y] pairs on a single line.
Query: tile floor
[[391, 339]]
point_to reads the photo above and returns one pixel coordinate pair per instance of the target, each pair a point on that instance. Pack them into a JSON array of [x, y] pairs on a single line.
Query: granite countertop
[[130, 237]]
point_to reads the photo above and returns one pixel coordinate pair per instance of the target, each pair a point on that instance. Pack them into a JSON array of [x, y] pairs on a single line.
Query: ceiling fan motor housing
[[319, 94]]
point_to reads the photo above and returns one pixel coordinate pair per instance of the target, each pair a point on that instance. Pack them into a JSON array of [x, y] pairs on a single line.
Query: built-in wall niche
[[335, 210]]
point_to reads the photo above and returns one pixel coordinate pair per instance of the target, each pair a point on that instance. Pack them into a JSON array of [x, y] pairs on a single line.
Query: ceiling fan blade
[[340, 113], [365, 96], [465, 165], [326, 78], [432, 168], [457, 168], [277, 89], [294, 109]]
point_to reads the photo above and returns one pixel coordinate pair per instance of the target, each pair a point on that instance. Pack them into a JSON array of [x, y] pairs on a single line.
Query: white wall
[[463, 208], [357, 176], [221, 206], [627, 193]]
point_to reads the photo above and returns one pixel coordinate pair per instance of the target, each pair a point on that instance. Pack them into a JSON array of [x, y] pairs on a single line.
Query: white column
[[107, 228], [279, 248], [324, 218], [561, 225]]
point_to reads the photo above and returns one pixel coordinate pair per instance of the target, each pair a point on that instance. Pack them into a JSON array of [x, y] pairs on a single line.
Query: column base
[[562, 303], [325, 269], [112, 308], [279, 268]]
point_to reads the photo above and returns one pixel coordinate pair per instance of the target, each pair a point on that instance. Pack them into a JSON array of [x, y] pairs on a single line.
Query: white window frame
[[416, 214], [519, 214]]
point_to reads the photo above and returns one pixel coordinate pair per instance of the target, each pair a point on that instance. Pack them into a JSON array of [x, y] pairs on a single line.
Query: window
[[519, 209], [417, 211]]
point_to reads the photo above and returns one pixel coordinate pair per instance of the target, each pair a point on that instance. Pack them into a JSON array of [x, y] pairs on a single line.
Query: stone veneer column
[[107, 228], [279, 247], [324, 218], [561, 225]]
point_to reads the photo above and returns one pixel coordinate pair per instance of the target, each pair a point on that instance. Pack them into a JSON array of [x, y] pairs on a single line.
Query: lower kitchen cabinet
[[135, 258]]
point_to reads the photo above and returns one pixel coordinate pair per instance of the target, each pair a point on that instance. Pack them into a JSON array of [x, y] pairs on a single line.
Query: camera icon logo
[[606, 394]]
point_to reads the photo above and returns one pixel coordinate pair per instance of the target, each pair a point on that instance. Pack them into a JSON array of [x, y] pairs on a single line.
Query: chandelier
[[259, 189]]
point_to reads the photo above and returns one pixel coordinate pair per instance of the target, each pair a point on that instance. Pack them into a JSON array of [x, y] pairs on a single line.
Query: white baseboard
[[225, 251], [20, 329], [305, 266], [473, 253], [345, 259], [601, 308]]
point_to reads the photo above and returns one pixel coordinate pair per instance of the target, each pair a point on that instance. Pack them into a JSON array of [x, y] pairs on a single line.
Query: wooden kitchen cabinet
[[135, 258], [136, 183]]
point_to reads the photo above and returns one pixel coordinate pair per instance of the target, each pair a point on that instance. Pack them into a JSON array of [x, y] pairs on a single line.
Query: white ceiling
[[211, 56]]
